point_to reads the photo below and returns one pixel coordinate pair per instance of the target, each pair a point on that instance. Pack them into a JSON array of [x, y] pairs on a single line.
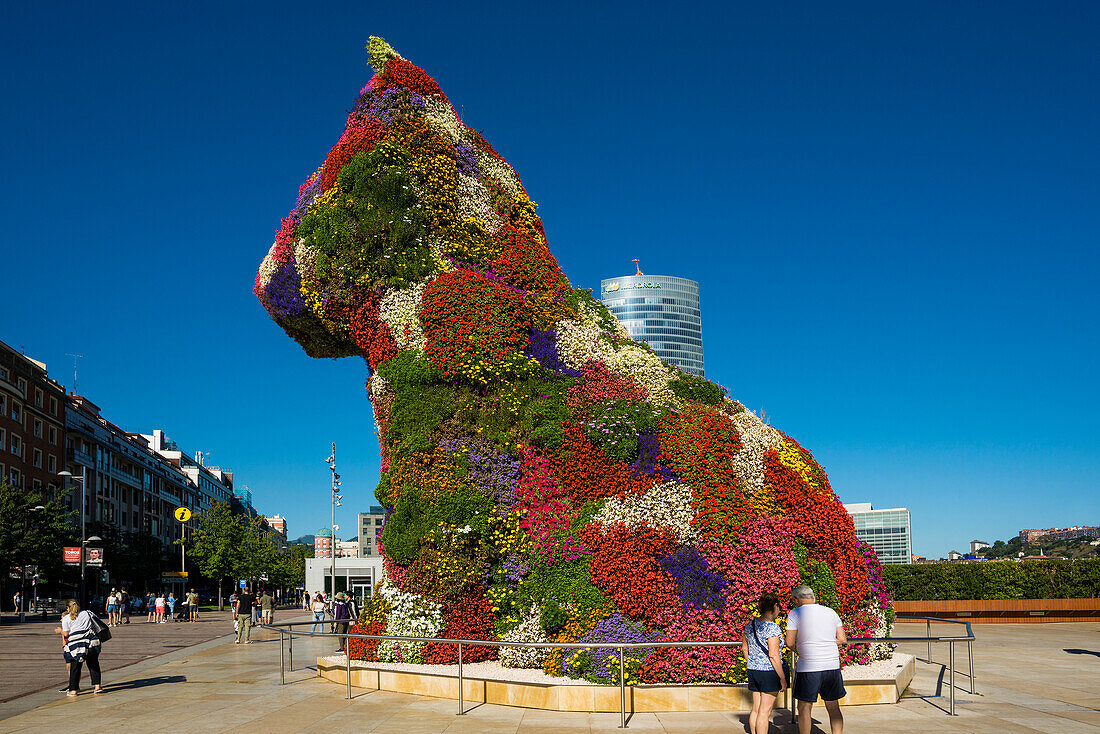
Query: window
[[51, 464], [3, 373], [16, 445], [16, 412], [36, 484], [37, 458], [53, 406], [22, 385], [3, 404], [38, 396], [13, 477], [53, 436], [37, 428]]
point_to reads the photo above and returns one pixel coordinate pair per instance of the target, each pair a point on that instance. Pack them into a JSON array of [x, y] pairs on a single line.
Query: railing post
[[347, 659], [951, 677], [282, 667], [290, 631], [970, 658], [460, 686], [622, 690], [928, 634], [790, 690]]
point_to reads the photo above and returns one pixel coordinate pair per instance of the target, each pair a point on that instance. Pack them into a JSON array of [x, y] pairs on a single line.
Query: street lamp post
[[336, 497], [83, 526]]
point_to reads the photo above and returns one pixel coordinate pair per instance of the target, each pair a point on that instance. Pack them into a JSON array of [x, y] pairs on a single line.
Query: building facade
[[347, 548], [122, 480], [887, 531], [1077, 531], [370, 530], [662, 311], [356, 576], [322, 543], [32, 422]]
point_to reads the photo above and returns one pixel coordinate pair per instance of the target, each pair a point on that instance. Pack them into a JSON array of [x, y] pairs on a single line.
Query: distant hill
[[1076, 548], [301, 540]]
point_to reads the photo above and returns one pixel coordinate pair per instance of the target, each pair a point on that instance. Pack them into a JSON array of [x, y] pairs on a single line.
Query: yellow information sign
[[182, 514]]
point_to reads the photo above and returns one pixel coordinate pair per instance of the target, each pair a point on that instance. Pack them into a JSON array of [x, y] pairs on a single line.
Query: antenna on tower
[[638, 267], [75, 357]]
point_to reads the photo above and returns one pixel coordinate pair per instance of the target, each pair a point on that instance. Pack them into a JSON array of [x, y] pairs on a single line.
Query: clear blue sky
[[893, 214]]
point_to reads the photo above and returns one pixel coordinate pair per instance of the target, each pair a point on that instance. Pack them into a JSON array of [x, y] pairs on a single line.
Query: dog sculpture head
[[546, 475]]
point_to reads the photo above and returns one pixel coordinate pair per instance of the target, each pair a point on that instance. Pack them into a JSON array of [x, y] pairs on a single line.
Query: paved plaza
[[1030, 677]]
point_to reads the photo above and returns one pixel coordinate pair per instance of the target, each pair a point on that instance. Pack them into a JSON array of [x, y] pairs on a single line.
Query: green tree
[[33, 536], [214, 544], [256, 555], [290, 568]]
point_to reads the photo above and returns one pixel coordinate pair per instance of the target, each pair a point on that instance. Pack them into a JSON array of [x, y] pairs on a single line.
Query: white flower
[[529, 630], [410, 615], [665, 505], [756, 440], [399, 310], [473, 203]]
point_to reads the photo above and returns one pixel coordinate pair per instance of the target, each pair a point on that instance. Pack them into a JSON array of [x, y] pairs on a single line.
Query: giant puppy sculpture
[[546, 476]]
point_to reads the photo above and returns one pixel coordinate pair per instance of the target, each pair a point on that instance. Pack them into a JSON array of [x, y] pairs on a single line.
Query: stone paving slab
[[220, 687]]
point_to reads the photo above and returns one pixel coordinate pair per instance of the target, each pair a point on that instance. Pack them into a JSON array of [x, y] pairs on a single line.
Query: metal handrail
[[285, 630]]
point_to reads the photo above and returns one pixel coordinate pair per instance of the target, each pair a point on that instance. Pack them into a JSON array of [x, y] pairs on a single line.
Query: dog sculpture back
[[545, 476]]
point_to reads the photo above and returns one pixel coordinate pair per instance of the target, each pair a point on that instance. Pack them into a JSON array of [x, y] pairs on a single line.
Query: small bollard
[[347, 659], [622, 691]]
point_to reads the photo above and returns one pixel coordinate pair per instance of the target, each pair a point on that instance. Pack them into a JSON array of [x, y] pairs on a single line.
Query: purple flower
[[491, 471], [542, 346], [284, 292], [467, 162], [615, 628], [699, 586]]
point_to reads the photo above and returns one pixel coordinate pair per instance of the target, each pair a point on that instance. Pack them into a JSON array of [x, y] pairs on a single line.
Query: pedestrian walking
[[17, 602], [233, 605], [318, 609], [816, 633], [81, 645], [762, 644], [124, 605], [171, 606], [159, 605], [192, 606], [267, 608], [112, 607], [150, 607], [245, 603], [341, 616], [306, 601]]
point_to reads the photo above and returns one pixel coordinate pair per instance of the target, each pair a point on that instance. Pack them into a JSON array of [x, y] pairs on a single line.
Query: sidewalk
[[1035, 678], [30, 653]]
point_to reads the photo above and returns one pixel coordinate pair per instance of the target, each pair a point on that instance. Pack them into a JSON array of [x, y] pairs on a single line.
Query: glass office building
[[661, 311], [887, 531]]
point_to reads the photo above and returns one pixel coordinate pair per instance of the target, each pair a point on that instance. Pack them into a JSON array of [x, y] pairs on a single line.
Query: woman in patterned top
[[762, 644]]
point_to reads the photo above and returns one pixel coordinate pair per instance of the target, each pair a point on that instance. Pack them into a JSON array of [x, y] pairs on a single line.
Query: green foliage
[[553, 617], [817, 576], [32, 536], [1053, 579], [416, 518], [692, 387], [584, 516], [565, 584], [615, 426], [421, 403]]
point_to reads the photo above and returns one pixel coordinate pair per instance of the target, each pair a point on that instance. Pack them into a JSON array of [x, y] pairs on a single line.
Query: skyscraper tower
[[663, 312]]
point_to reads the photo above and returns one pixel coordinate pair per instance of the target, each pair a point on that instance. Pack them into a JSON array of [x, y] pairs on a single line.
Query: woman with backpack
[[81, 645]]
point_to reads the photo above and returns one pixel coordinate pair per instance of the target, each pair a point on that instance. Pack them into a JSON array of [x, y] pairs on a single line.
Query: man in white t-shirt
[[815, 632]]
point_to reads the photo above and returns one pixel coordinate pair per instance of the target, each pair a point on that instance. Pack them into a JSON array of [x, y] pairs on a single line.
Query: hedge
[[1054, 579]]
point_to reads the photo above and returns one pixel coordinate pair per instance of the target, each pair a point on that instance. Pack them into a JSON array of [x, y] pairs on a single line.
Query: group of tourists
[[341, 612], [248, 610], [816, 633]]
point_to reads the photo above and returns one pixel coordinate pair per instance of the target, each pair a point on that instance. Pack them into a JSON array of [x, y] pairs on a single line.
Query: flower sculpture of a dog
[[546, 478]]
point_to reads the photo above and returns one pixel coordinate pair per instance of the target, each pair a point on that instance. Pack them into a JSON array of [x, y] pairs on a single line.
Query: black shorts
[[828, 683], [764, 681]]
